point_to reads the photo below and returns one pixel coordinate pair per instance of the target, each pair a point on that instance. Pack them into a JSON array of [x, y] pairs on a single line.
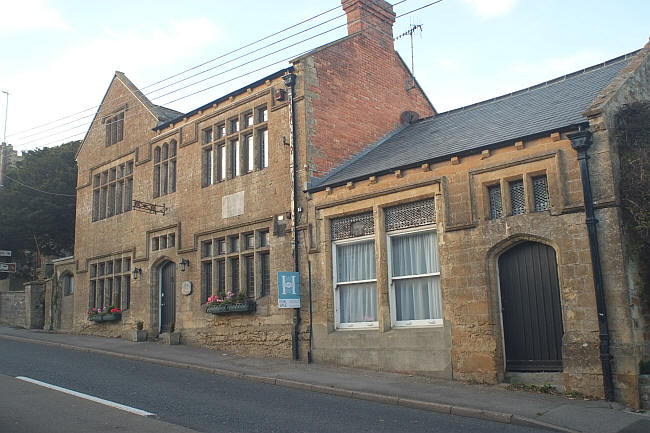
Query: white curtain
[[356, 262], [412, 255], [358, 303]]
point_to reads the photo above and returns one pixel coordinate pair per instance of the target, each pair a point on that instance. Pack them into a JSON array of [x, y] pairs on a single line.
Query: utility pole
[[3, 154]]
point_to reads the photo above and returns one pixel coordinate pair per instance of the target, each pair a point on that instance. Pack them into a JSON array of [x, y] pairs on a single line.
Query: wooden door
[[531, 310], [167, 296]]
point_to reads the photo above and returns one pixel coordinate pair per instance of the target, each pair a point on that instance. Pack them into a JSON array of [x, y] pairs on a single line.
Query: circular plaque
[[186, 287]]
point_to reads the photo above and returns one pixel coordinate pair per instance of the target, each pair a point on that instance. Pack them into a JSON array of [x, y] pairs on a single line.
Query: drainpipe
[[290, 81], [581, 141]]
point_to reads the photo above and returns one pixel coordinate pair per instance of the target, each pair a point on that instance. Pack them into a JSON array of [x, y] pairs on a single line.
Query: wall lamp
[[183, 264], [136, 272]]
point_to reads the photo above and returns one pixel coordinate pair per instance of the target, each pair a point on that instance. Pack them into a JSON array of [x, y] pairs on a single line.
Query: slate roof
[[163, 114], [546, 107]]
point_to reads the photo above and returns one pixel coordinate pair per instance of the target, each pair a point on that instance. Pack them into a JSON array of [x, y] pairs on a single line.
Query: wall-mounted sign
[[288, 290], [186, 287], [5, 253], [7, 267]]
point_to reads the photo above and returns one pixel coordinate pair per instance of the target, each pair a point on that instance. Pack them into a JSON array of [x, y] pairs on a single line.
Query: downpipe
[[289, 82], [581, 141]]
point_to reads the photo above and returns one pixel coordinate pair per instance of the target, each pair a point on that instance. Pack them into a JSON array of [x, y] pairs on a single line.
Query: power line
[[231, 69], [189, 69], [233, 51], [39, 190]]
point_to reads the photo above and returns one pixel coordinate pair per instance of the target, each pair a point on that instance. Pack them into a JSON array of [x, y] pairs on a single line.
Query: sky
[[59, 56]]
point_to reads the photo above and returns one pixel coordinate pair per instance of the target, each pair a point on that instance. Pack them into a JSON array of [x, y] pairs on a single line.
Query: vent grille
[[408, 215], [353, 226], [517, 197], [540, 190], [496, 206]]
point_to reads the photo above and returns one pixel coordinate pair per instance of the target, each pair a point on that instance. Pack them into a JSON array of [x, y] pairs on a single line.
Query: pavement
[[489, 402]]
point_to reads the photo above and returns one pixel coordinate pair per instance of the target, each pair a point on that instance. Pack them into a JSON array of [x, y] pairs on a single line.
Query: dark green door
[[167, 296], [531, 310]]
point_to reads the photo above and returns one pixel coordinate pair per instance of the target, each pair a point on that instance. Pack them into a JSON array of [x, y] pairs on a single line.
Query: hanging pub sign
[[288, 290]]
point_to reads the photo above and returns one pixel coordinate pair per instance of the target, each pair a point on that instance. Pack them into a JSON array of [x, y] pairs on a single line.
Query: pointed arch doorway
[[167, 296], [530, 308]]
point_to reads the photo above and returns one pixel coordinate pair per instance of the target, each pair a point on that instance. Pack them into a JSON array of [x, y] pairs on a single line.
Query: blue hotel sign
[[288, 290]]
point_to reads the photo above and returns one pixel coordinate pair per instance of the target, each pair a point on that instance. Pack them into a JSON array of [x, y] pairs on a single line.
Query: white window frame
[[337, 300], [391, 286]]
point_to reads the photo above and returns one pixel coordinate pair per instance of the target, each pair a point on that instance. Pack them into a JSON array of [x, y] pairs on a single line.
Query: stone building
[[454, 245], [459, 245], [175, 207]]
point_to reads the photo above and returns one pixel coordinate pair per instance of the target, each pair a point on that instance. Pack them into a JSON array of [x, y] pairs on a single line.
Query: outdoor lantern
[[136, 272], [183, 263]]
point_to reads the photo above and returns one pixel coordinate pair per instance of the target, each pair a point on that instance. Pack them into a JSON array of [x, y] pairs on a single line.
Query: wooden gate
[[531, 310], [167, 296]]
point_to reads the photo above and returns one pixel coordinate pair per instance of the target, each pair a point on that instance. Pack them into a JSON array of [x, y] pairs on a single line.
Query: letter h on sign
[[288, 290]]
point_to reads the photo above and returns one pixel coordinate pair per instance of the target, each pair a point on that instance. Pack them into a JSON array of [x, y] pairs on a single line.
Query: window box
[[111, 317], [235, 307]]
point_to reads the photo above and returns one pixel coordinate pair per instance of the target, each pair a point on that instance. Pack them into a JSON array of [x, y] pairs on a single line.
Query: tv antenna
[[410, 84]]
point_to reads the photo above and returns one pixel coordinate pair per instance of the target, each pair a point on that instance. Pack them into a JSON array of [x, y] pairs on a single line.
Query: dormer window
[[114, 129]]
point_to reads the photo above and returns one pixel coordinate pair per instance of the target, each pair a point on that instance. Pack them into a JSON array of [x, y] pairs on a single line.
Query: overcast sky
[[59, 56]]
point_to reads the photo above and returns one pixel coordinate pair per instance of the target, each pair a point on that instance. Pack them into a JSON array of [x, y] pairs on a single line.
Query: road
[[197, 401]]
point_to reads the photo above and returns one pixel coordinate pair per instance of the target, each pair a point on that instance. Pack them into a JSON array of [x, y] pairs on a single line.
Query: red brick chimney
[[376, 17]]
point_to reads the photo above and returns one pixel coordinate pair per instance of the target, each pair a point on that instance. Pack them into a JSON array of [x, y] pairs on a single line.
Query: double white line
[[87, 397]]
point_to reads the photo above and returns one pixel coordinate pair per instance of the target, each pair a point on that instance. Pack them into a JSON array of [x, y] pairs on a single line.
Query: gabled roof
[[547, 107], [162, 114]]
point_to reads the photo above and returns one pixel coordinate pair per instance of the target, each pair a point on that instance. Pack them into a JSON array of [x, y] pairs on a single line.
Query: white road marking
[[87, 397]]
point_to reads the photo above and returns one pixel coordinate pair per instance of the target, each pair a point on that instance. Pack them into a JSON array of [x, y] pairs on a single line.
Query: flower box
[[235, 307], [111, 317]]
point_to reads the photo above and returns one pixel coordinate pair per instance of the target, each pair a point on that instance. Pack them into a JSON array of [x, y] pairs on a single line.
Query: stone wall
[[12, 309], [644, 391], [470, 345], [628, 315], [59, 305], [34, 304]]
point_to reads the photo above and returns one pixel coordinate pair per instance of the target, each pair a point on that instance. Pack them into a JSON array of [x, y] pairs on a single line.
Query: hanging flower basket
[[229, 308]]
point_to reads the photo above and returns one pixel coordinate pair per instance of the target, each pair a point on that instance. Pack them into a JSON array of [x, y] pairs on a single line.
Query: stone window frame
[[163, 241], [530, 198], [102, 275], [114, 128], [234, 152], [164, 168], [112, 191], [221, 261]]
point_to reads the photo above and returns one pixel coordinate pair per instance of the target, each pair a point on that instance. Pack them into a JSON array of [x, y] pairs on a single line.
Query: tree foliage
[[632, 133], [37, 205]]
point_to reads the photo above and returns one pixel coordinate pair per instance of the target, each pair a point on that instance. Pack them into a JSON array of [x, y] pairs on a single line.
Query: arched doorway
[[530, 308], [167, 296]]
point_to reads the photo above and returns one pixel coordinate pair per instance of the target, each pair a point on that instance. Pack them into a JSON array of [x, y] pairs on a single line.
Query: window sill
[[418, 324], [370, 326]]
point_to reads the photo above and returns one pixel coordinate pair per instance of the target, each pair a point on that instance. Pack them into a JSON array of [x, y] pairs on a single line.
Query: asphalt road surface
[[187, 399]]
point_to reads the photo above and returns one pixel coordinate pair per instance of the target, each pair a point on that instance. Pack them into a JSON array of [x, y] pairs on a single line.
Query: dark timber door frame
[[531, 313], [167, 295]]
